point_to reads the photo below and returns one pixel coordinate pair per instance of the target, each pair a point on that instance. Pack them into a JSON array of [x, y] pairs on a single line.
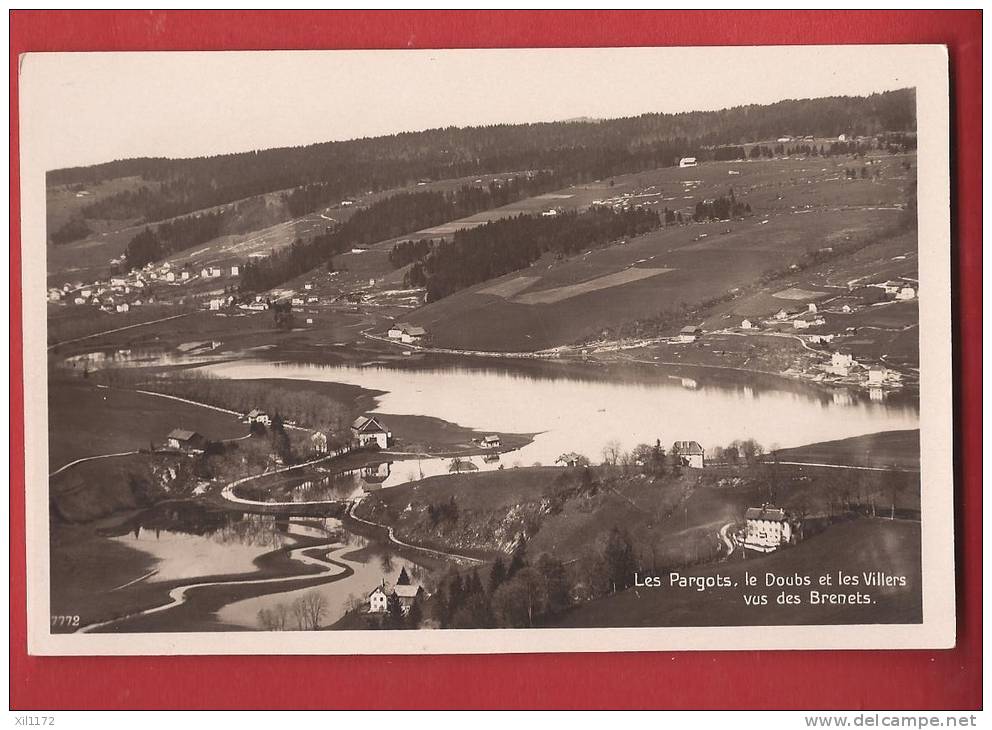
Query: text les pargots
[[699, 582]]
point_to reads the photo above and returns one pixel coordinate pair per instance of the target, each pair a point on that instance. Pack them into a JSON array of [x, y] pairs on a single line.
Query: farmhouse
[[688, 453], [235, 270], [396, 330], [183, 440], [413, 335], [257, 416], [767, 529], [491, 442], [689, 334], [368, 431], [406, 591], [687, 162], [747, 324]]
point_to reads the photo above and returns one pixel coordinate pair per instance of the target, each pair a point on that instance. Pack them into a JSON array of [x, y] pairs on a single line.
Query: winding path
[[90, 458], [117, 329], [390, 532]]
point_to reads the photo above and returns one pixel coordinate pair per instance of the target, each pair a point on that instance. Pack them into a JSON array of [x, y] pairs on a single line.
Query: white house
[[368, 431], [170, 276], [907, 292], [841, 363], [800, 324], [308, 286], [216, 304], [877, 375], [766, 529], [687, 162], [747, 324], [688, 453], [491, 441], [235, 270], [123, 307], [184, 276], [257, 416], [404, 589], [413, 334], [117, 281], [811, 308]]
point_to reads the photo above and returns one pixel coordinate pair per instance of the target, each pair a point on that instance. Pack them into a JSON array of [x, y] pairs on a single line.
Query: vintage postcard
[[459, 351]]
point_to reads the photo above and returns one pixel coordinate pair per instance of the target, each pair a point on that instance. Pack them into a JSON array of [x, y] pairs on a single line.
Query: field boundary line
[[118, 329]]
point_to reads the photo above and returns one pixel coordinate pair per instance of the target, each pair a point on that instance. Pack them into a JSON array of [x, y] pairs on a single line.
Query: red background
[[794, 680]]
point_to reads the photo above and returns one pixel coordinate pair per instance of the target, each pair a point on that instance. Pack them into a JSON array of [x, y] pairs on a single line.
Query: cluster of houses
[[121, 292], [408, 334]]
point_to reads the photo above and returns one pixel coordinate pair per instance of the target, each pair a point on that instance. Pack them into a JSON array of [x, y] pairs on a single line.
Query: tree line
[[318, 173], [154, 243], [390, 217], [501, 246]]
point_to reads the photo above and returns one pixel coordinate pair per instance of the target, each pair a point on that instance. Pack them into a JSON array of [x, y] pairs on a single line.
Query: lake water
[[581, 412]]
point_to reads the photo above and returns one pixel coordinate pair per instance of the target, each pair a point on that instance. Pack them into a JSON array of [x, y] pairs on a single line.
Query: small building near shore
[[766, 528], [841, 363], [687, 162], [492, 441], [367, 431], [689, 334], [747, 324], [187, 441], [689, 453], [877, 375]]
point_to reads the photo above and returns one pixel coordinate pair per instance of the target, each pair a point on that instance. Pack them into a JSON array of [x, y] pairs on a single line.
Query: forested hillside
[[322, 173]]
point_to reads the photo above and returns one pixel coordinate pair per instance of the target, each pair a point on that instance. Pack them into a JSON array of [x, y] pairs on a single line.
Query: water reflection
[[188, 540]]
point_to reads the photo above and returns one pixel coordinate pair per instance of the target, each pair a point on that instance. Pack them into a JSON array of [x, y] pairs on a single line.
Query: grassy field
[[798, 210], [84, 420], [853, 547], [673, 519], [899, 449]]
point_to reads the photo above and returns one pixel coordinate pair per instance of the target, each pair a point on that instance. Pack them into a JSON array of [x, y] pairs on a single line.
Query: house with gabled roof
[[368, 431], [688, 453], [181, 439]]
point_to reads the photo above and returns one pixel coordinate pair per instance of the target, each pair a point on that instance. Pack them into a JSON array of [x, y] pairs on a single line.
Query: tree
[[511, 603], [394, 612], [619, 557], [281, 445], [309, 610], [556, 584], [403, 579], [497, 574], [611, 453], [415, 615]]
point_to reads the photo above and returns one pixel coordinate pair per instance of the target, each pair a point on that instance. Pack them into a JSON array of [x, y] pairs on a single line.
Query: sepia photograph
[[487, 350]]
